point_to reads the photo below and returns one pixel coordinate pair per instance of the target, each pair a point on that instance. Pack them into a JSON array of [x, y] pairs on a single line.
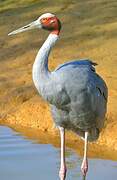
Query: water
[[24, 159]]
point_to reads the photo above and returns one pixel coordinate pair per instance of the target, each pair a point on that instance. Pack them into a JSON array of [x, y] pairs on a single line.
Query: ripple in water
[[24, 159]]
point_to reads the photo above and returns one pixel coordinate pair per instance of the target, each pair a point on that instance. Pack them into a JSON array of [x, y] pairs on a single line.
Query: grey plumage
[[79, 101]]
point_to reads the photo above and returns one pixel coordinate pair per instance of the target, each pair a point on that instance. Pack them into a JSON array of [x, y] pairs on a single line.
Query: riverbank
[[95, 150], [91, 34], [33, 118]]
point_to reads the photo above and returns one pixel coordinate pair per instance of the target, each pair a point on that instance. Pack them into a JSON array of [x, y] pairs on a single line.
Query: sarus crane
[[76, 93]]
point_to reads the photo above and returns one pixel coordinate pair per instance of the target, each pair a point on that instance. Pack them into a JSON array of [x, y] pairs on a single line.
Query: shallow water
[[24, 159]]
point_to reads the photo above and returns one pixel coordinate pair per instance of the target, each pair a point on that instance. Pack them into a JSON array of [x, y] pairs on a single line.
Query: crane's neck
[[41, 72]]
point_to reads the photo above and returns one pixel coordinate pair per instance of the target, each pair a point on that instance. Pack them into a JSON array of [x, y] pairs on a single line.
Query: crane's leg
[[84, 166], [63, 169]]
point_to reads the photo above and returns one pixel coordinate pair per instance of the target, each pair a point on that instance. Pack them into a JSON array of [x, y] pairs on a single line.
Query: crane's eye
[[44, 19]]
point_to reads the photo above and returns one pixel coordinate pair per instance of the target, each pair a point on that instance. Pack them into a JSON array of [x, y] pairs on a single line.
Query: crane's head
[[46, 21]]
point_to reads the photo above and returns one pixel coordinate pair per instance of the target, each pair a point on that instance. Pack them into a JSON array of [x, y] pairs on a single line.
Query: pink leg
[[84, 166], [63, 169]]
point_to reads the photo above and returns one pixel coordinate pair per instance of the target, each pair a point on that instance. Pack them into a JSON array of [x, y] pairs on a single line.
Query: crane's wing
[[76, 63], [101, 87]]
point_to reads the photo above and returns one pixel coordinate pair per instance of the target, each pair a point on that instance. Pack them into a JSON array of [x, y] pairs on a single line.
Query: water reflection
[[25, 159]]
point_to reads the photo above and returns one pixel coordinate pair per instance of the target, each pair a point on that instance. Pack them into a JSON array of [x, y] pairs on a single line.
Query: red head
[[50, 22]]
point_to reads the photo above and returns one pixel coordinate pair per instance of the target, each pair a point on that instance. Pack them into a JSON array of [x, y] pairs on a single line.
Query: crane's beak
[[33, 25]]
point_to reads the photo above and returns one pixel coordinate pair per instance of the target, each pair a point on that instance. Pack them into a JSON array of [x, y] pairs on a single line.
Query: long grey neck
[[41, 72]]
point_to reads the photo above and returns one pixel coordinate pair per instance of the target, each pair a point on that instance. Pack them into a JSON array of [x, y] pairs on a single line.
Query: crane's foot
[[62, 173], [84, 167]]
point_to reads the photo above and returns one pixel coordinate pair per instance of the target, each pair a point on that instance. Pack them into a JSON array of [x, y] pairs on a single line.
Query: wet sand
[[95, 150]]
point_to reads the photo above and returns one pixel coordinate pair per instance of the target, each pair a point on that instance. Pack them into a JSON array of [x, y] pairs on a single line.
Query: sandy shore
[[34, 120]]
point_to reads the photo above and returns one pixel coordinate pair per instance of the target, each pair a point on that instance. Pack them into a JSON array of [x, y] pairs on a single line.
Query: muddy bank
[[35, 114], [95, 150]]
